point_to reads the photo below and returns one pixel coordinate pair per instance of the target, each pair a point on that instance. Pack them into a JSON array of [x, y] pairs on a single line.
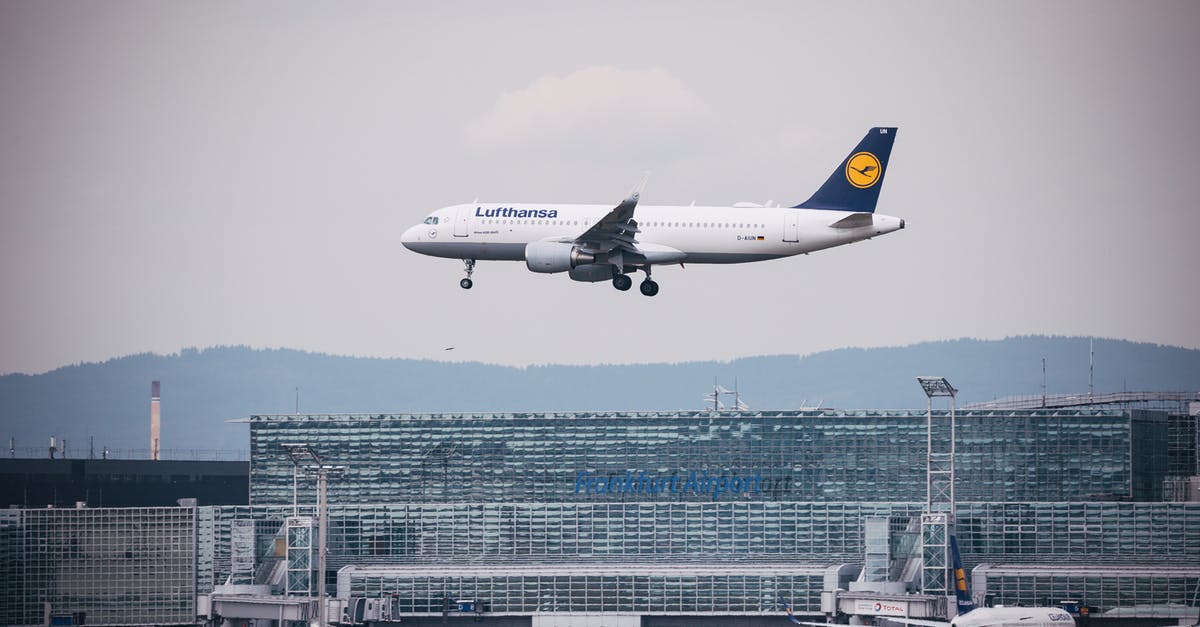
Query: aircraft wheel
[[622, 282], [466, 284], [649, 288]]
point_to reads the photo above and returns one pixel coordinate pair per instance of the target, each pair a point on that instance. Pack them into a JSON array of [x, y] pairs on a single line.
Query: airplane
[[596, 243], [968, 614]]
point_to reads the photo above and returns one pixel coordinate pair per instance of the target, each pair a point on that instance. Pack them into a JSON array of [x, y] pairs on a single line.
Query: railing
[[1054, 401], [170, 454]]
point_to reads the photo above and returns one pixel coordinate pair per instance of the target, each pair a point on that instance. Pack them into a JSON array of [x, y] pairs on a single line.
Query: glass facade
[[135, 566], [709, 538], [214, 541], [831, 456], [1162, 587], [624, 588], [127, 566]]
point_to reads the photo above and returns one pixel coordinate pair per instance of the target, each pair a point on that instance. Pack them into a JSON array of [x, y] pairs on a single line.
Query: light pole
[[305, 459], [937, 523], [322, 472], [939, 464], [301, 454]]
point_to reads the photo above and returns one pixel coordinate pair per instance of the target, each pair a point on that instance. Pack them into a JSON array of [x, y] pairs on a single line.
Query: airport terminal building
[[630, 518]]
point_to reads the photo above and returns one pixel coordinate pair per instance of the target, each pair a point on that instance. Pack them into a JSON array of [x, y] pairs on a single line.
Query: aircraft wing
[[895, 619], [616, 230], [916, 621]]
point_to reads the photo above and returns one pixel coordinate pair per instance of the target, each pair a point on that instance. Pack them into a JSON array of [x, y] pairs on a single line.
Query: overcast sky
[[188, 174]]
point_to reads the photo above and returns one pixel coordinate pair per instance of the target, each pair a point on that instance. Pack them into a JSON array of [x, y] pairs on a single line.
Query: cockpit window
[[431, 220]]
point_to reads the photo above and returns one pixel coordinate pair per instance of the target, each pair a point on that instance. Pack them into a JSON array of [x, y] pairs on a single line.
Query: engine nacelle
[[592, 272], [555, 256]]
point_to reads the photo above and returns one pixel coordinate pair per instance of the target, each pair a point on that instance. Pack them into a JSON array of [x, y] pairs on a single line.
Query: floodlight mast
[[304, 456], [939, 481], [938, 521], [322, 472], [300, 454]]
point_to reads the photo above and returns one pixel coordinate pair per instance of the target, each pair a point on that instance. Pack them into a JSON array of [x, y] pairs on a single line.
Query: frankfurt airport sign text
[[683, 482]]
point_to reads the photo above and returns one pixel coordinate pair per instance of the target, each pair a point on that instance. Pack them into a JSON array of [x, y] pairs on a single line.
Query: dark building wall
[[1182, 445], [1150, 454], [34, 483]]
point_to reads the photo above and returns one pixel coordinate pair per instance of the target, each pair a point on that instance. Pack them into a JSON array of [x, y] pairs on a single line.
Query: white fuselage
[[1014, 617], [491, 231]]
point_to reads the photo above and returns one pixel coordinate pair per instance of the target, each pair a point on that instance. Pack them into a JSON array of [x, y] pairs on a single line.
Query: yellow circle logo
[[862, 170]]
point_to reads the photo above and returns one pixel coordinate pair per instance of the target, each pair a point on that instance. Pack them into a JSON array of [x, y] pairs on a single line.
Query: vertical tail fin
[[855, 184], [787, 608], [961, 590]]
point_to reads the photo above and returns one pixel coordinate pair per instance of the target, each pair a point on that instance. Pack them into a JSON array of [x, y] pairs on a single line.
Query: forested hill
[[202, 389]]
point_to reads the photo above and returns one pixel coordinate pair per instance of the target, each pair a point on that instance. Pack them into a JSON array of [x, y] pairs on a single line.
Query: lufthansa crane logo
[[862, 170]]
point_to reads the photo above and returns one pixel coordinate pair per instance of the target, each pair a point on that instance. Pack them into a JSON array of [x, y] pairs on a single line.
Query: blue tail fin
[[855, 184], [787, 607], [961, 591]]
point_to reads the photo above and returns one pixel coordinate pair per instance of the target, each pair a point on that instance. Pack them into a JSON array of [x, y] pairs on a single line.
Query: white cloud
[[599, 109]]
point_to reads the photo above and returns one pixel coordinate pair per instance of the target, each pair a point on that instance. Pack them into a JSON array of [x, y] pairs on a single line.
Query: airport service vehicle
[[604, 243]]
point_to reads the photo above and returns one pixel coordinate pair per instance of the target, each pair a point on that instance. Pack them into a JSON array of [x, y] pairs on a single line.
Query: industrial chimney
[[155, 421]]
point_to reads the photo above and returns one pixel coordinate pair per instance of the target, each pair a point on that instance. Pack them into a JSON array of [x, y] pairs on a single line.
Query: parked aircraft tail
[[855, 184], [787, 608], [961, 590]]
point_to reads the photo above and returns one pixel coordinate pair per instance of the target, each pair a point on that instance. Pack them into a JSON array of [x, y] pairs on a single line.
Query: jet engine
[[592, 272], [555, 256]]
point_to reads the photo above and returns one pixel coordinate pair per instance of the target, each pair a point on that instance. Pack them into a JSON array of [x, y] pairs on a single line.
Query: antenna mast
[[1091, 367], [1043, 383]]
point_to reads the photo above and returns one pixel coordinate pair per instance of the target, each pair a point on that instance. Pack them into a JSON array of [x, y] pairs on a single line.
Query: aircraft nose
[[410, 236]]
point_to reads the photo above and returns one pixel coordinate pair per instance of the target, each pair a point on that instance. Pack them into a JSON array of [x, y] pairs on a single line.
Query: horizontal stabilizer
[[853, 220]]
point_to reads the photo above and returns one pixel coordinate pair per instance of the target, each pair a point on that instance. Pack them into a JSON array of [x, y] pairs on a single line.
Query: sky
[[178, 175]]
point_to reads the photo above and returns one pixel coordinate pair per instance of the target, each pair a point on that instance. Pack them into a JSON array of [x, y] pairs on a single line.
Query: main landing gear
[[467, 282], [623, 282]]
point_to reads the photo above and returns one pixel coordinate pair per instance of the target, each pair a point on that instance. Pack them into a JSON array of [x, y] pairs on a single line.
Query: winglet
[[637, 191]]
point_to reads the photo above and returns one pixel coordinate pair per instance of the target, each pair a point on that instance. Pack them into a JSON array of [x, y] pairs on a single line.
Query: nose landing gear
[[467, 282]]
